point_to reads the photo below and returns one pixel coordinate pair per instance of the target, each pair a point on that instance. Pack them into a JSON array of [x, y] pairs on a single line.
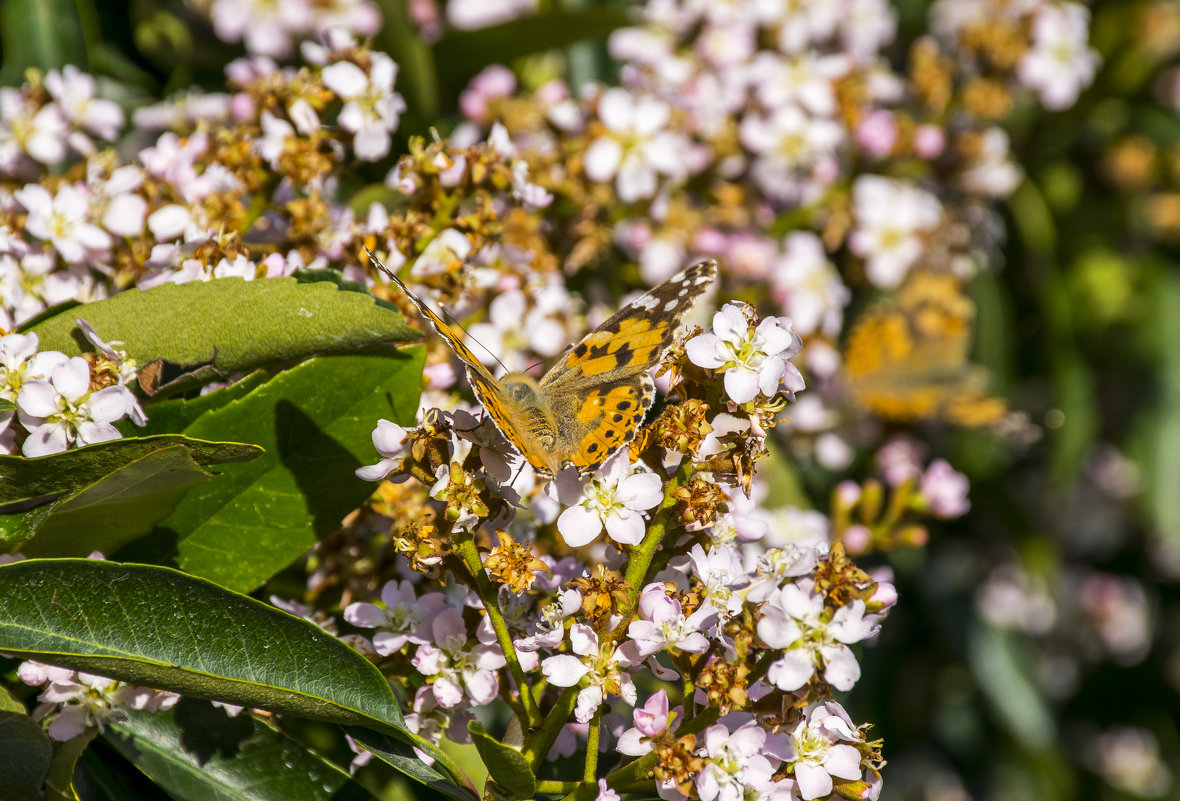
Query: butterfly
[[592, 402], [907, 357]]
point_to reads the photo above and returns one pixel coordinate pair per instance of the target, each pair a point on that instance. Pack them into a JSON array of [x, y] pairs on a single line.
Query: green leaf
[[315, 422], [59, 784], [209, 329], [6, 405], [25, 753], [157, 627], [103, 775], [505, 764], [400, 756], [197, 751], [45, 34], [115, 510], [173, 416], [24, 479], [461, 54]]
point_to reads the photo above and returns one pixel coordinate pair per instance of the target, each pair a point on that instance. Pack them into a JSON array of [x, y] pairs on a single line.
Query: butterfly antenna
[[388, 272]]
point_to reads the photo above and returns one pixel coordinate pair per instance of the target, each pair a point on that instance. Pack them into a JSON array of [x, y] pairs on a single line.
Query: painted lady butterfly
[[593, 400], [907, 357]]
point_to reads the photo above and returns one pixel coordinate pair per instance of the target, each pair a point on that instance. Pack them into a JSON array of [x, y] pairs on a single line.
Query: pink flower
[[945, 490], [877, 133], [664, 626], [404, 618], [494, 83], [454, 667], [650, 720]]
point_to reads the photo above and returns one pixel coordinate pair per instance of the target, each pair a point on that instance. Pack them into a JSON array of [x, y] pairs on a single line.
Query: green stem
[[491, 605], [556, 787], [641, 556], [537, 744], [625, 776], [590, 772]]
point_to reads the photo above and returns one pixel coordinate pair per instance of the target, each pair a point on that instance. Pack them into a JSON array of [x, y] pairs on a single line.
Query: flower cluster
[[747, 619], [72, 701], [62, 402]]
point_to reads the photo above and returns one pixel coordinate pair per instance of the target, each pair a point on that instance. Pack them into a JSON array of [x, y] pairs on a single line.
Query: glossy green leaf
[[315, 422], [24, 479], [25, 752], [399, 755], [157, 627], [115, 510], [207, 329], [505, 764], [39, 33], [197, 751]]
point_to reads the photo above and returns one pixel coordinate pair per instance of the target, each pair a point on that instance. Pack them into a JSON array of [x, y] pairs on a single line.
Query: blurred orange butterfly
[[907, 357]]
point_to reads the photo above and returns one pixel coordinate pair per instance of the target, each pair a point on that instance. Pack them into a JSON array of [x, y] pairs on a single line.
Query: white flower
[[807, 286], [818, 755], [615, 499], [38, 132], [63, 219], [736, 768], [720, 572], [61, 411], [663, 624], [275, 133], [891, 218], [792, 620], [1059, 65], [266, 26], [805, 81], [389, 440], [77, 701], [123, 364], [371, 109], [117, 205], [754, 359], [604, 669], [795, 150], [470, 15], [445, 253], [15, 352], [75, 92], [992, 173], [636, 149]]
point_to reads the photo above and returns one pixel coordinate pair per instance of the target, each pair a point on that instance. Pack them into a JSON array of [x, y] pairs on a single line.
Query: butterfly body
[[594, 399]]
